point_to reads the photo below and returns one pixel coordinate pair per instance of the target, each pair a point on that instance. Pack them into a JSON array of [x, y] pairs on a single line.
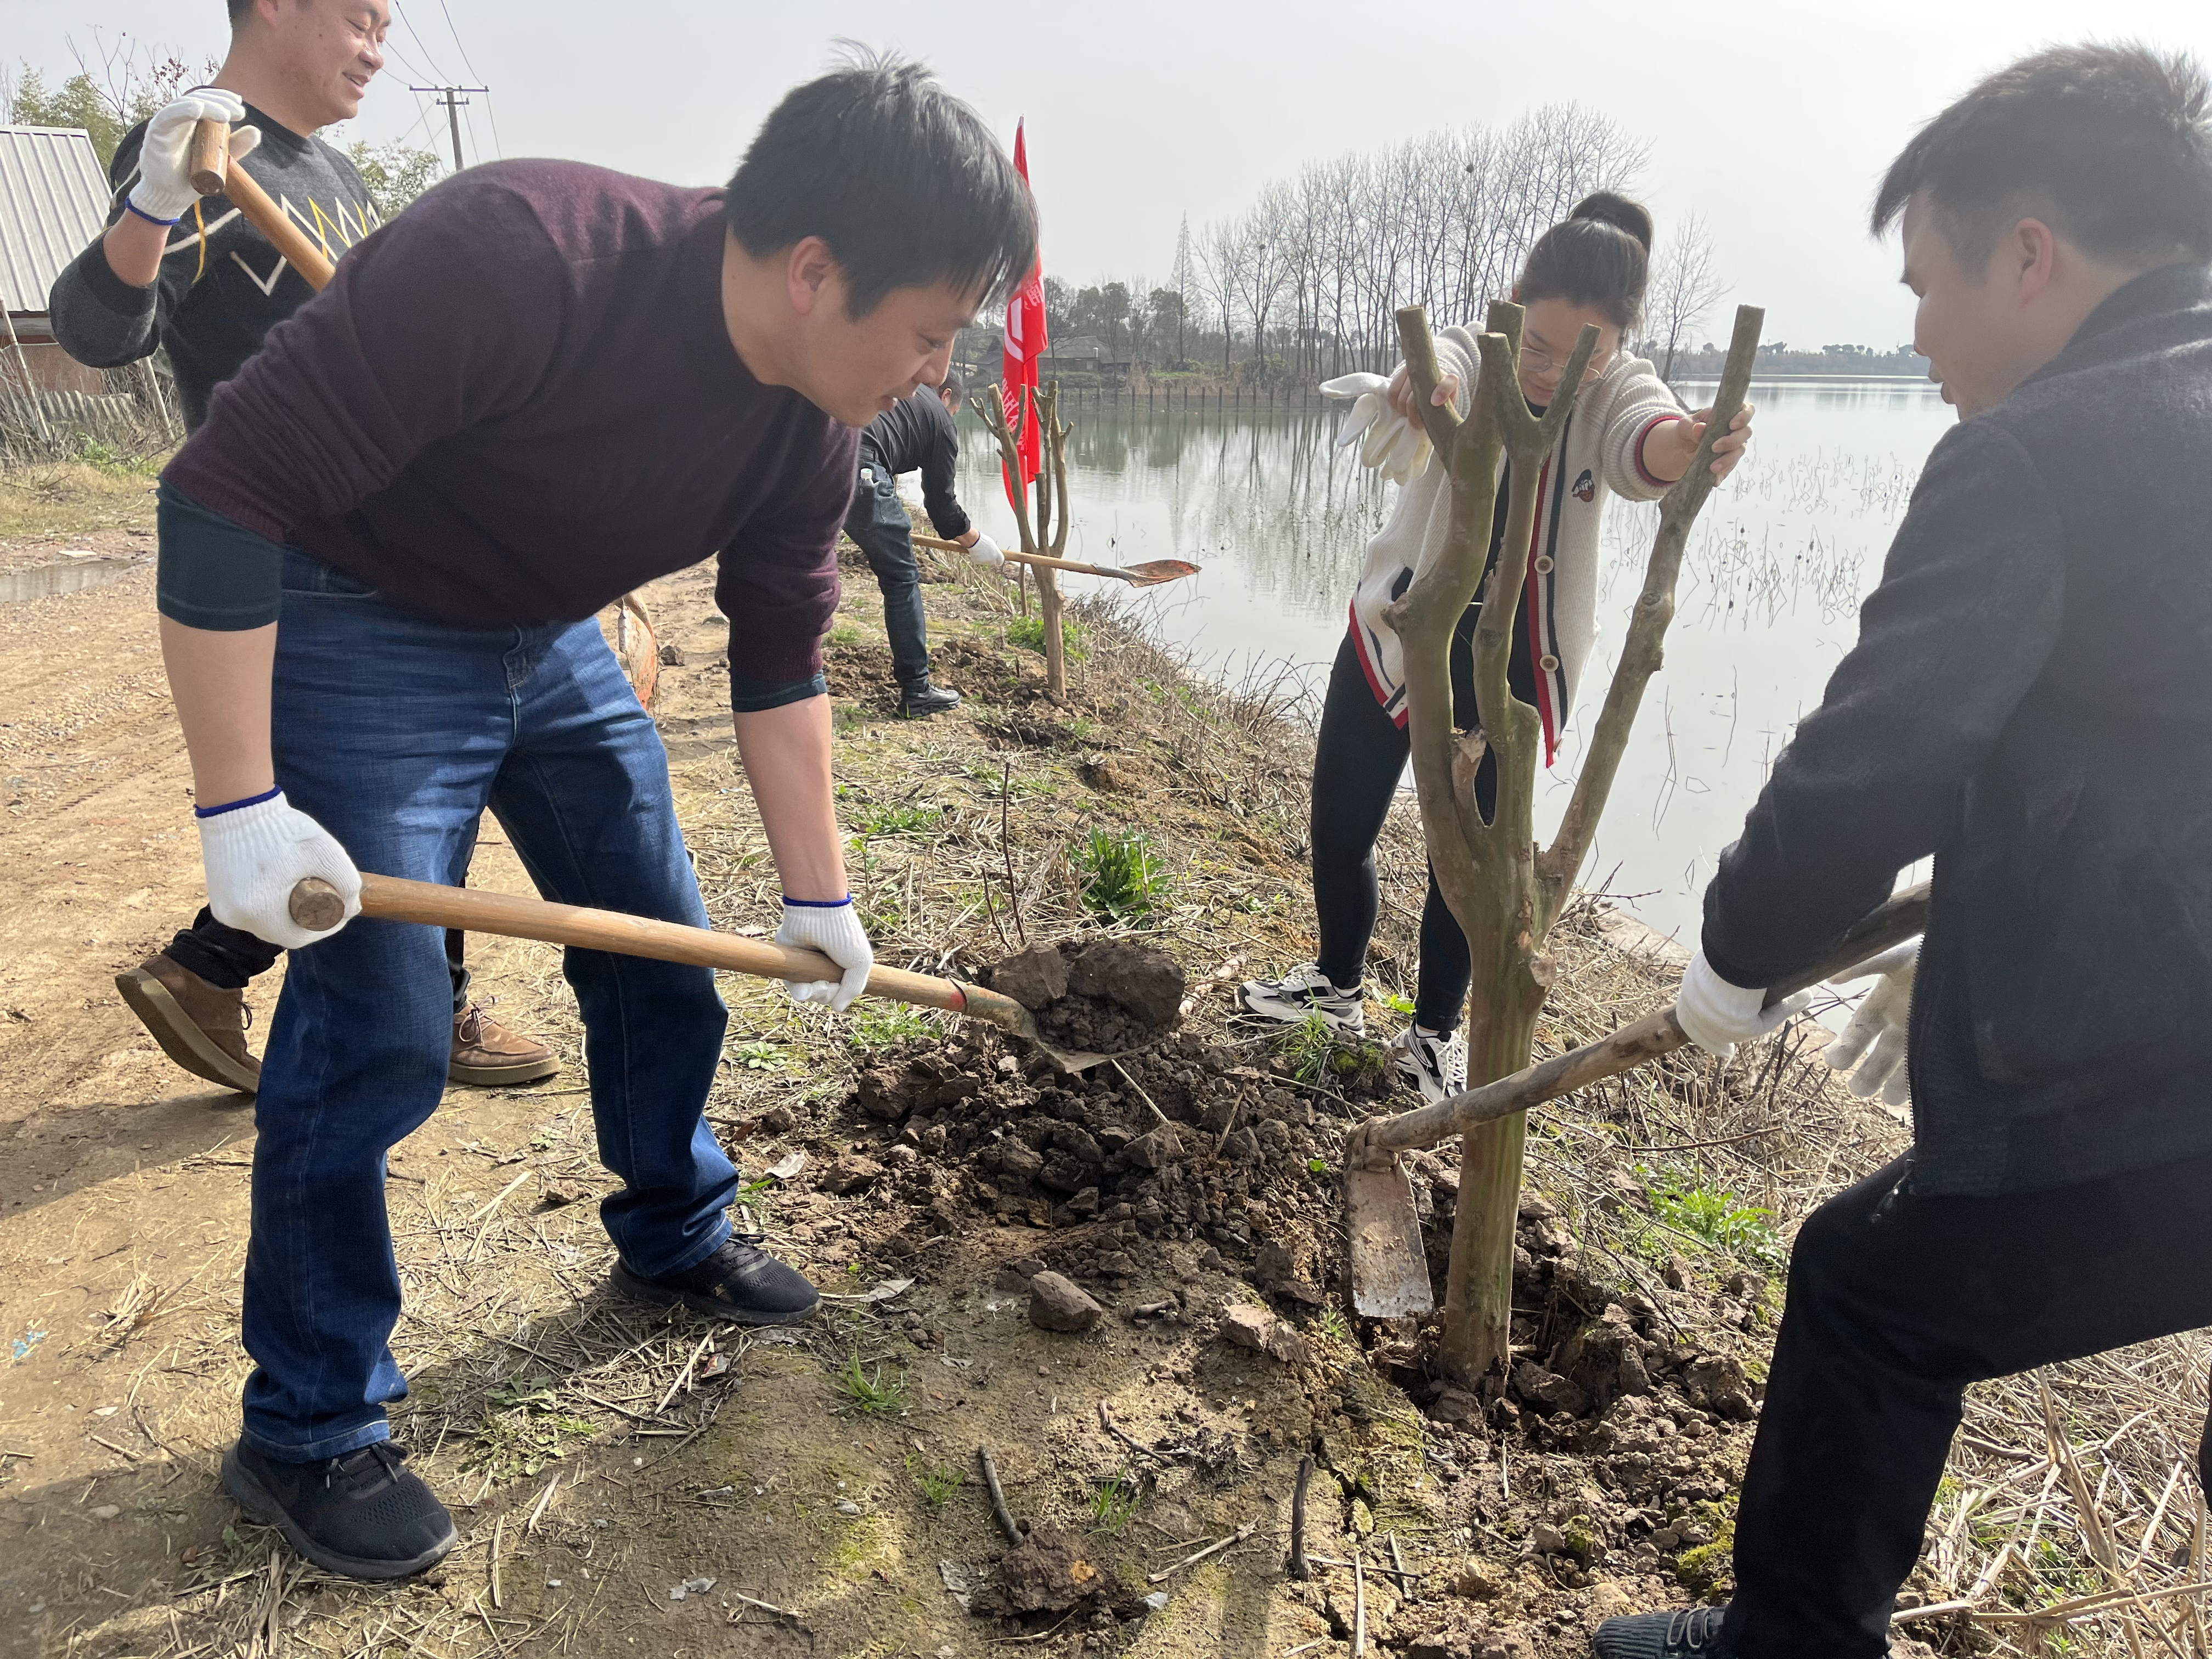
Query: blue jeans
[[879, 527], [396, 734]]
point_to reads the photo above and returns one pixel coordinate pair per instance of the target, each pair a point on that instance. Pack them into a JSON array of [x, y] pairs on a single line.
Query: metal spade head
[[1153, 572], [1390, 1268]]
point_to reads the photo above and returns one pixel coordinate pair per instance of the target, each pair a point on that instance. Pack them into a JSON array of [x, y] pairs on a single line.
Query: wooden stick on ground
[[1214, 1548], [1000, 1512], [1299, 1568]]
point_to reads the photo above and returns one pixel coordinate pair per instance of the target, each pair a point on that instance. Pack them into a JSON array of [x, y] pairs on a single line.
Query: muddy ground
[[628, 1483]]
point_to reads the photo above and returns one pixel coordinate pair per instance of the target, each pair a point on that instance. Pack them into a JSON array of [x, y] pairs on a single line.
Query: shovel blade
[[1153, 572], [1390, 1268]]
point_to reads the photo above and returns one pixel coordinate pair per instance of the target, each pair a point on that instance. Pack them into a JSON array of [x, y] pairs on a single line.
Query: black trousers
[[1358, 762], [879, 527], [1898, 1302], [229, 957]]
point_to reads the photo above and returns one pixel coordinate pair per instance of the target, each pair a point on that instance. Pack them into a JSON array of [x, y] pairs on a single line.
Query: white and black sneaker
[[1435, 1063], [1303, 992]]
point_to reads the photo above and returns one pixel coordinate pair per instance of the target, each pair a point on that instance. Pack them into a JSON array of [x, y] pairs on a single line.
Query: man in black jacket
[[188, 275], [916, 434], [2028, 704]]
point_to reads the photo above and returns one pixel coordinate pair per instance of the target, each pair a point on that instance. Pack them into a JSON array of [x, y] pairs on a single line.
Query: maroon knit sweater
[[519, 400]]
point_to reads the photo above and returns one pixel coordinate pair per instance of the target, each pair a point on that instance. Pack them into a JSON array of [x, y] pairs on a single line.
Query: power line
[[451, 98], [422, 44], [456, 33]]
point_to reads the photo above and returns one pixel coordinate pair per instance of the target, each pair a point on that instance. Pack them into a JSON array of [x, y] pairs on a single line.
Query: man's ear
[[809, 273], [2030, 251]]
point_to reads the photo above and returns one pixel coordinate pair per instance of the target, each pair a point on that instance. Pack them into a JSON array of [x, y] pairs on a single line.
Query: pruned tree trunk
[[1505, 892], [1040, 530]]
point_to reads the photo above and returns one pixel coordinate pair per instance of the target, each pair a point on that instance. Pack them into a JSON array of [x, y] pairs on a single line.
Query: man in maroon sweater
[[542, 386]]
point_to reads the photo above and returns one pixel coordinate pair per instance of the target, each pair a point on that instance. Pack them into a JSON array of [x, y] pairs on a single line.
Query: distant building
[[53, 203], [1084, 355]]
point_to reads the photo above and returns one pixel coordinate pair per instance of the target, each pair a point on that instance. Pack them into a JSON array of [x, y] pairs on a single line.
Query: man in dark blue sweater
[[2028, 704], [917, 435]]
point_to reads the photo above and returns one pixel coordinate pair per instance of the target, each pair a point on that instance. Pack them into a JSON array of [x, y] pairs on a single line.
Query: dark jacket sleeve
[[99, 318], [1966, 613], [939, 467], [443, 319]]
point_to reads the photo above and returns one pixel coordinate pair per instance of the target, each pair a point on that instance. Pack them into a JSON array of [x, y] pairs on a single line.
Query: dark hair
[[2107, 145], [1599, 255], [238, 10], [954, 388], [901, 179]]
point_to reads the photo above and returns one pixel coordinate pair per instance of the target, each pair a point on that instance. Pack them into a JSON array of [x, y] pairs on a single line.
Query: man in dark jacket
[[176, 271], [2027, 704], [917, 435]]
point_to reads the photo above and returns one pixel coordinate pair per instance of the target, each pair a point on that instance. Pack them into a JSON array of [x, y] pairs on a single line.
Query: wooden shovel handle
[[942, 545], [316, 906], [1901, 917], [209, 160], [298, 249]]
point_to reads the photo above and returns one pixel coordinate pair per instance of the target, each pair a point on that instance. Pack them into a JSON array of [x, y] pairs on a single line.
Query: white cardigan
[[1600, 453]]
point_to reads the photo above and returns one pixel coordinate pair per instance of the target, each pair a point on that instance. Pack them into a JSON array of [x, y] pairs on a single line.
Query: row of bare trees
[[1303, 284], [1312, 273]]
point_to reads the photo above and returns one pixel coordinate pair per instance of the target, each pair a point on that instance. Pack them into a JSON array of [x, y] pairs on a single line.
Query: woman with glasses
[[1628, 435]]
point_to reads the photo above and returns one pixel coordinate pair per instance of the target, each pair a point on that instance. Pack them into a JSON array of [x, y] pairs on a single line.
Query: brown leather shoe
[[485, 1052], [200, 1026]]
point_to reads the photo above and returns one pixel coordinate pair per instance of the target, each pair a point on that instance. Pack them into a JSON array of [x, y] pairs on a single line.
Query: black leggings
[[1361, 756]]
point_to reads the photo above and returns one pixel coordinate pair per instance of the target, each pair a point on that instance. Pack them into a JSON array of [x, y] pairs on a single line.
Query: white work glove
[[1880, 1023], [1395, 446], [1716, 1015], [256, 853], [164, 192], [833, 930], [985, 552]]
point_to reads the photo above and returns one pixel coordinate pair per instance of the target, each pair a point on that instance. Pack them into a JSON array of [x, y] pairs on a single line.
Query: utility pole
[[451, 101]]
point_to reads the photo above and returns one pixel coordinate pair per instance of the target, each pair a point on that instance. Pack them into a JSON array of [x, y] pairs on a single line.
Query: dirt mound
[[1105, 995]]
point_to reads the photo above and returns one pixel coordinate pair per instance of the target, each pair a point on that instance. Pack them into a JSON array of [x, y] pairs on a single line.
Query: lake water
[[1768, 602]]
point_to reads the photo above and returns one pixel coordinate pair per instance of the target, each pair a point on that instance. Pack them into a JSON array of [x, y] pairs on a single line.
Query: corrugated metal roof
[[53, 201]]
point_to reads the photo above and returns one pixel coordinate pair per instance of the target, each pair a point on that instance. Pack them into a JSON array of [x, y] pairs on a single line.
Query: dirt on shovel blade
[[1105, 995]]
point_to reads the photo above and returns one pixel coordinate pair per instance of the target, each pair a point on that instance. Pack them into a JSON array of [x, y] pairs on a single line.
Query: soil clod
[[1105, 995]]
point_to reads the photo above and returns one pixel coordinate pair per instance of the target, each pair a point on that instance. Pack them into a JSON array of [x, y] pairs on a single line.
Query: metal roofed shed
[[54, 198]]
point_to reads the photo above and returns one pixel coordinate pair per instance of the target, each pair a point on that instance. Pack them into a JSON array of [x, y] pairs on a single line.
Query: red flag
[[1025, 342]]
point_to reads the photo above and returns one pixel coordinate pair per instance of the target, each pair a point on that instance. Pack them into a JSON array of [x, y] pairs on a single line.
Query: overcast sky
[[1772, 120]]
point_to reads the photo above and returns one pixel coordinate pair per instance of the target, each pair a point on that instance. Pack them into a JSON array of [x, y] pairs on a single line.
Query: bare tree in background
[[1685, 287], [1180, 280]]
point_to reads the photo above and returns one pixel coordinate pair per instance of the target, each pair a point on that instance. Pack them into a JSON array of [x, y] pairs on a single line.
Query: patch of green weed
[[758, 1057], [523, 1430], [1318, 1052], [898, 820], [1027, 633], [1122, 876], [871, 1392], [880, 1025], [1112, 1502], [1713, 1215], [938, 1483]]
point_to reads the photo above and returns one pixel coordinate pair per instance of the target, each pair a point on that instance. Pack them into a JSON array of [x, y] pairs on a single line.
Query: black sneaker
[[920, 701], [361, 1515], [1692, 1631], [740, 1282]]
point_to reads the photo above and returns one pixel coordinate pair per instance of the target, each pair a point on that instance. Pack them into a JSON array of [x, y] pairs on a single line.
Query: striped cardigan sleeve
[[1641, 401]]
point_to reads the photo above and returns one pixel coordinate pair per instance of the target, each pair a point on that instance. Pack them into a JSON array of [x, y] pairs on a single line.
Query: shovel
[[1151, 574], [316, 905], [208, 165], [1390, 1269]]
